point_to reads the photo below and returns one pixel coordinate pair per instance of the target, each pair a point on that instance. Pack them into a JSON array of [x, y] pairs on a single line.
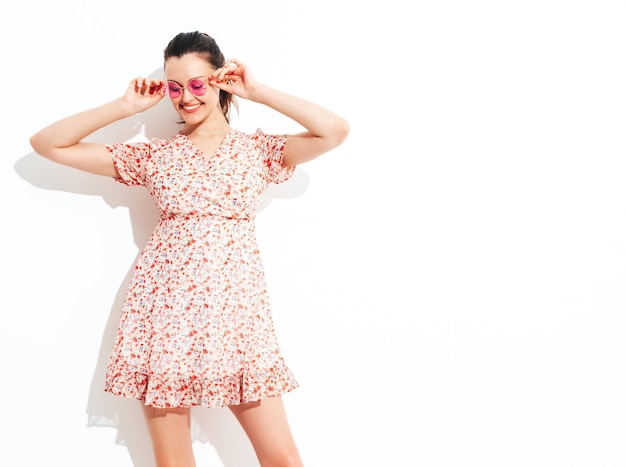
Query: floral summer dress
[[196, 326]]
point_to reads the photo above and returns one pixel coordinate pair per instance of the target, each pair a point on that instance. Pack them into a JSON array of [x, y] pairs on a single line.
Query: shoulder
[[178, 143], [267, 141]]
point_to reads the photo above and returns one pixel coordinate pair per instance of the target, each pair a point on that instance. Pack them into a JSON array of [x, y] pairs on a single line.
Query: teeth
[[191, 107]]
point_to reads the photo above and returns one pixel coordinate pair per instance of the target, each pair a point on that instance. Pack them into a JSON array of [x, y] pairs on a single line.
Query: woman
[[196, 327]]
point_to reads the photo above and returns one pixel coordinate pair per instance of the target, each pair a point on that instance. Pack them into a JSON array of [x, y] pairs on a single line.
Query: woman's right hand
[[62, 141], [143, 93]]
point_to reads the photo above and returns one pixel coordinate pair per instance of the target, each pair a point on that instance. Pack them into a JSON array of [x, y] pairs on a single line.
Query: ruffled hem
[[189, 391]]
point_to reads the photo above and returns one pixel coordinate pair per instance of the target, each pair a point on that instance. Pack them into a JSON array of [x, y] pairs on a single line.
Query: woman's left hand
[[234, 77]]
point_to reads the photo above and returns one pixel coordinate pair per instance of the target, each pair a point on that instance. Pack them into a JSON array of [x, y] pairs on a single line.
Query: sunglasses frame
[[197, 93]]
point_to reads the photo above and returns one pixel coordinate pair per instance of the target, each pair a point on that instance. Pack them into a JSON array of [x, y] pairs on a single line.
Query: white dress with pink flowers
[[196, 326]]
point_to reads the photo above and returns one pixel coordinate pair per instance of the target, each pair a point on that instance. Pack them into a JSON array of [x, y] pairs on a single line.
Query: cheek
[[215, 92], [212, 96]]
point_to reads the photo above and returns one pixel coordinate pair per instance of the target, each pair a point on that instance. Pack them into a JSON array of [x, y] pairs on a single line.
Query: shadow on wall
[[215, 426]]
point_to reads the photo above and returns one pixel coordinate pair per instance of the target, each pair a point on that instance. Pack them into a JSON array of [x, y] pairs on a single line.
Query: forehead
[[186, 67]]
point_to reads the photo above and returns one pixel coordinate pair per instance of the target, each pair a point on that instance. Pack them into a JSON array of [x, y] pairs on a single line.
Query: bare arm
[[325, 130], [62, 142]]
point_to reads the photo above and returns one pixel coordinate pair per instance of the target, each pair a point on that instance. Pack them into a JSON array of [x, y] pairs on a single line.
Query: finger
[[221, 82], [154, 86], [144, 87], [224, 85], [229, 67]]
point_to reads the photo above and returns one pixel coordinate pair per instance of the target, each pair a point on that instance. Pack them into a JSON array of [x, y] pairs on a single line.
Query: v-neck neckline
[[217, 151]]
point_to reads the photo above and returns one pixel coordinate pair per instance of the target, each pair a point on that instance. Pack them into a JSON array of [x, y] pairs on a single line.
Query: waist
[[190, 216]]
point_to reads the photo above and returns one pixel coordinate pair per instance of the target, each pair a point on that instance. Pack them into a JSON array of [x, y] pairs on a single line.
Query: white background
[[449, 286]]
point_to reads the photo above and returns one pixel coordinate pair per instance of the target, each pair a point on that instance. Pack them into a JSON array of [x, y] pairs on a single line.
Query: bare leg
[[170, 430], [266, 425]]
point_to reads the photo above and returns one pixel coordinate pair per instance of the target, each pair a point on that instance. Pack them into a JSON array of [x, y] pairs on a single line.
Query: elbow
[[342, 131], [41, 145], [36, 144]]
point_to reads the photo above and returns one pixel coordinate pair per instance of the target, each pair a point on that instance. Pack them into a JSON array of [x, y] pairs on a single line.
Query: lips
[[190, 108]]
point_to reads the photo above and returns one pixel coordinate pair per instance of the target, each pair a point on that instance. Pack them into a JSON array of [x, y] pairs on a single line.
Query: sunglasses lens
[[173, 89], [197, 87]]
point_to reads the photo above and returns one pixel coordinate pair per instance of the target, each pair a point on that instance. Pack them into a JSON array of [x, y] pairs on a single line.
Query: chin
[[192, 118]]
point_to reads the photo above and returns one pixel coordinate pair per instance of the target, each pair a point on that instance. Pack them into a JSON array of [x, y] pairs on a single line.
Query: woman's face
[[189, 90]]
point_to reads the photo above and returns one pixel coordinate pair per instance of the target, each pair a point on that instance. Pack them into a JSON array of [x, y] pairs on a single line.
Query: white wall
[[449, 286]]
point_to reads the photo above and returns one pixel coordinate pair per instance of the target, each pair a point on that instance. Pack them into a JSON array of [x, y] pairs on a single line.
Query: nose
[[185, 92]]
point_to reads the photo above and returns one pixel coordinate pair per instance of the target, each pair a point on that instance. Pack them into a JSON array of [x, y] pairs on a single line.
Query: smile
[[190, 108]]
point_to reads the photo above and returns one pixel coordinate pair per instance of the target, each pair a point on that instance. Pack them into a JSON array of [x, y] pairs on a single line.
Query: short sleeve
[[130, 161], [271, 148]]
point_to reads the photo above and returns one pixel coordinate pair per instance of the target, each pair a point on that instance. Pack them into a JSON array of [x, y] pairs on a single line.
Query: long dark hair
[[205, 46]]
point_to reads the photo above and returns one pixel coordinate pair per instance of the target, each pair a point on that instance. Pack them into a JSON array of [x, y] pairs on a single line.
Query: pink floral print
[[196, 325]]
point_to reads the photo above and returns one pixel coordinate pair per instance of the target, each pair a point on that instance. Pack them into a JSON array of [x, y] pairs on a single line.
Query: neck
[[212, 126], [204, 131]]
